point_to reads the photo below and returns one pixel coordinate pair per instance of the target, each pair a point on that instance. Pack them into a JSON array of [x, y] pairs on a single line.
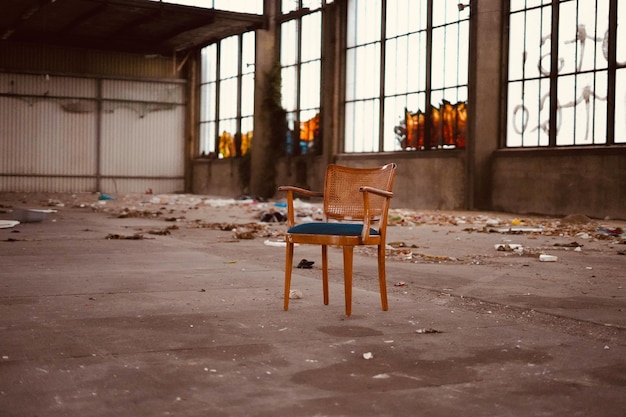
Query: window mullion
[[381, 102], [610, 119], [218, 82], [238, 131], [554, 65], [298, 69], [428, 126]]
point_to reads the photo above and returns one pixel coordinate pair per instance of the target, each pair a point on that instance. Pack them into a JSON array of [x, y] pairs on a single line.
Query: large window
[[406, 75], [301, 68], [227, 97], [566, 73]]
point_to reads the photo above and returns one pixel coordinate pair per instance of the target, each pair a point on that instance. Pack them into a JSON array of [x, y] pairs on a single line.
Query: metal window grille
[[413, 95], [226, 119], [565, 78], [301, 66]]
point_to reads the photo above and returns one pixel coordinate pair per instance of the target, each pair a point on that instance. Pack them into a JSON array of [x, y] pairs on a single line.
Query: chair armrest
[[365, 234], [376, 191], [302, 191], [291, 190]]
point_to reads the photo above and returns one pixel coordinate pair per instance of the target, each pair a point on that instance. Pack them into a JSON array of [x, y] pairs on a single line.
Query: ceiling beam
[[28, 12]]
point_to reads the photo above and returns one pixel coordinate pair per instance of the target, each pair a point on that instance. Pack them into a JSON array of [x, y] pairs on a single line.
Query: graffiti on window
[[521, 114], [447, 129], [565, 77]]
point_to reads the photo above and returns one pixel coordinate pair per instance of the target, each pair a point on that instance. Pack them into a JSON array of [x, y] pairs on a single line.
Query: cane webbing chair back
[[342, 196]]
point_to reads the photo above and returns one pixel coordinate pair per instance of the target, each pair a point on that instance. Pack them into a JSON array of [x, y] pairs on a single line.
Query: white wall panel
[[151, 145], [89, 134], [41, 139], [142, 135]]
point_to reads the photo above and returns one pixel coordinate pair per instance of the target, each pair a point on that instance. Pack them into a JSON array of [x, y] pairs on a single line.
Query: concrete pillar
[[485, 88], [333, 75], [264, 156]]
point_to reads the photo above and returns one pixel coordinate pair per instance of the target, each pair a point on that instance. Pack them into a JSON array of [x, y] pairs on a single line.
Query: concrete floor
[[154, 306]]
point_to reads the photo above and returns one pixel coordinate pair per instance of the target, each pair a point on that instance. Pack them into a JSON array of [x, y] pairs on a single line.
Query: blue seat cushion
[[335, 229]]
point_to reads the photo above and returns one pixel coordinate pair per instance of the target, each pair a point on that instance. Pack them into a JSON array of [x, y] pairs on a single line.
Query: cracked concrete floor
[[155, 306]]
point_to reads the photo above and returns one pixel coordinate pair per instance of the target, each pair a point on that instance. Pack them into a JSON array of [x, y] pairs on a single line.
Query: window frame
[[553, 124], [294, 143], [210, 129], [386, 137]]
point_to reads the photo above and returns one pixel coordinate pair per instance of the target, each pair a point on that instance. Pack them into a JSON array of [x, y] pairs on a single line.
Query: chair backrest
[[342, 198]]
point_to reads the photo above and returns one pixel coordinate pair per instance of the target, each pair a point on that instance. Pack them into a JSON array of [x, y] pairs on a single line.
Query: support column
[[486, 89], [264, 156]]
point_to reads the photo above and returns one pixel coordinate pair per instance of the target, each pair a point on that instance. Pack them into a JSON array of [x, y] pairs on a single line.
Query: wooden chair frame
[[356, 205]]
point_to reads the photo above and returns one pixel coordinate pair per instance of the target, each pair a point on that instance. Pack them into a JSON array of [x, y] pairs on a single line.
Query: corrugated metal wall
[[44, 146], [142, 136], [63, 133], [83, 120]]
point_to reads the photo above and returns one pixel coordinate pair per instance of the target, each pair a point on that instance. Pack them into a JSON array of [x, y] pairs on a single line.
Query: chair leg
[[382, 280], [325, 272], [347, 277], [288, 267]]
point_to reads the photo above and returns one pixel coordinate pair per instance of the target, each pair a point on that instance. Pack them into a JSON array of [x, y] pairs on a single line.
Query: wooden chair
[[356, 204]]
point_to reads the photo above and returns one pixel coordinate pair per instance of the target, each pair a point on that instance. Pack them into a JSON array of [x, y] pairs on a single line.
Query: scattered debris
[[105, 197], [617, 232], [244, 234], [5, 224], [568, 245], [276, 243], [437, 257], [576, 219], [160, 232], [304, 264], [118, 236], [241, 231], [509, 247], [53, 202], [428, 330], [400, 250], [405, 254], [295, 294], [273, 217], [267, 222], [134, 213], [368, 355], [548, 258], [517, 230], [397, 245], [28, 215]]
